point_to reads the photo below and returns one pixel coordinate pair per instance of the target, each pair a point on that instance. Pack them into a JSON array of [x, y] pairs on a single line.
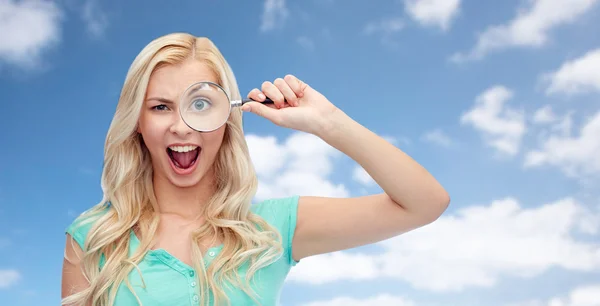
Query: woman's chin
[[188, 180], [183, 178]]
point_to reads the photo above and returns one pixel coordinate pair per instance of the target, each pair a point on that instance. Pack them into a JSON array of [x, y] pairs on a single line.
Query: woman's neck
[[187, 203]]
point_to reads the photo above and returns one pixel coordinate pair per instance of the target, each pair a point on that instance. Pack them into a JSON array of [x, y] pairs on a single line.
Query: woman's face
[[179, 154]]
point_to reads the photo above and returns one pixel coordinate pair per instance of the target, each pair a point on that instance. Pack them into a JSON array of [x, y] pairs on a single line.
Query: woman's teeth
[[183, 149]]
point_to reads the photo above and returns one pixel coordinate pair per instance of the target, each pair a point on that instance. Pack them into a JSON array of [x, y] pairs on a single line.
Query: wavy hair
[[128, 197]]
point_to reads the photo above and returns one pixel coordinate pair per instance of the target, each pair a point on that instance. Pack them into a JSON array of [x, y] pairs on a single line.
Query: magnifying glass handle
[[266, 101]]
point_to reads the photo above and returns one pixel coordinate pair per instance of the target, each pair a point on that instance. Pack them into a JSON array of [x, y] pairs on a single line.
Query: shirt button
[[191, 273], [195, 298], [211, 253], [193, 284]]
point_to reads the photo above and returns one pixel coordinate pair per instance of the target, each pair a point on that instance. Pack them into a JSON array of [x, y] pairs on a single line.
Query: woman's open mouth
[[183, 157]]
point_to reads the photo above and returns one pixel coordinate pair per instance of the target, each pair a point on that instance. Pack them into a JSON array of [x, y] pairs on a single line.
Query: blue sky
[[499, 102]]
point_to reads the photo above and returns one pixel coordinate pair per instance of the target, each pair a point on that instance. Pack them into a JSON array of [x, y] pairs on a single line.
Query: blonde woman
[[176, 225]]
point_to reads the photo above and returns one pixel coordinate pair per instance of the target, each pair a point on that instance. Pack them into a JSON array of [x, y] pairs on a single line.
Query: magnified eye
[[200, 104]]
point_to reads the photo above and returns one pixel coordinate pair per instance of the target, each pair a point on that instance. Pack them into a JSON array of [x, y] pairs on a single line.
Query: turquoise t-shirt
[[169, 281]]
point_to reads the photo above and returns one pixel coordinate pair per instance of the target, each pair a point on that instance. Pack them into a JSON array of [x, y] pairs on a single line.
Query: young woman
[[176, 225]]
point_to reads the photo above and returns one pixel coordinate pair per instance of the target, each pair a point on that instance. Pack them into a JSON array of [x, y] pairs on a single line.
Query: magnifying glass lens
[[205, 107]]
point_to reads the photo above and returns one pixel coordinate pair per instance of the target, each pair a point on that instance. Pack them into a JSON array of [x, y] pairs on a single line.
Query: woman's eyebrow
[[163, 100]]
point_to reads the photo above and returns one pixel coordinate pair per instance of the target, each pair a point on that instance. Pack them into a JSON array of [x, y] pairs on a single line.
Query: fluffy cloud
[[472, 248], [544, 115], [8, 278], [587, 295], [576, 156], [275, 13], [332, 267], [439, 13], [299, 165], [385, 28], [576, 76], [480, 244], [380, 300], [95, 19], [582, 296], [501, 126], [28, 29], [362, 176], [529, 28], [437, 137]]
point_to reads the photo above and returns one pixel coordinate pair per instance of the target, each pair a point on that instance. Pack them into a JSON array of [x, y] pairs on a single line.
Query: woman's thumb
[[261, 110]]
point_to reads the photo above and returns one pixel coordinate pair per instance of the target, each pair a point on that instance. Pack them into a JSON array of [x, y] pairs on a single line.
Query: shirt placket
[[188, 273]]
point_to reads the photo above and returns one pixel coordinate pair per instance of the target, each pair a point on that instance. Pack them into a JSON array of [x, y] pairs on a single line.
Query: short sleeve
[[281, 213], [81, 226]]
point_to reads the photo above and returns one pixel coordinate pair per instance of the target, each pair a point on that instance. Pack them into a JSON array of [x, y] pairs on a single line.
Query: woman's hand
[[296, 105]]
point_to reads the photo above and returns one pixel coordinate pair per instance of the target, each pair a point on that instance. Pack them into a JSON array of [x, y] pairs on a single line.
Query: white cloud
[[529, 28], [501, 126], [300, 165], [472, 248], [385, 28], [437, 137], [95, 19], [362, 176], [267, 155], [548, 124], [576, 156], [564, 126], [579, 75], [27, 29], [332, 267], [544, 115], [380, 300], [477, 246], [8, 278], [582, 296], [587, 295], [275, 13], [439, 13]]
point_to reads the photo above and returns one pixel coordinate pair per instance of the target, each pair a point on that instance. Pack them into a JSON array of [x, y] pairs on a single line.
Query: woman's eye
[[200, 104], [160, 107]]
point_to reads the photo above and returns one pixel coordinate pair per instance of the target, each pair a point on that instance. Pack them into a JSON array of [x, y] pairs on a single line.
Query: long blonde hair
[[127, 187]]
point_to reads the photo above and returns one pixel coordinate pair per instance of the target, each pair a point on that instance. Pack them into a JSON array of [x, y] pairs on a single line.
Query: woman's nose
[[178, 126]]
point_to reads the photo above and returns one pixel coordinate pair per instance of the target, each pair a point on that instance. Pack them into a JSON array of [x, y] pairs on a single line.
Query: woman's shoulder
[[282, 214], [277, 210], [82, 224]]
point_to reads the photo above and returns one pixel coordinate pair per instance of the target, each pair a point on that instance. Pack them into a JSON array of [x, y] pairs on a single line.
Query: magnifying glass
[[205, 106]]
